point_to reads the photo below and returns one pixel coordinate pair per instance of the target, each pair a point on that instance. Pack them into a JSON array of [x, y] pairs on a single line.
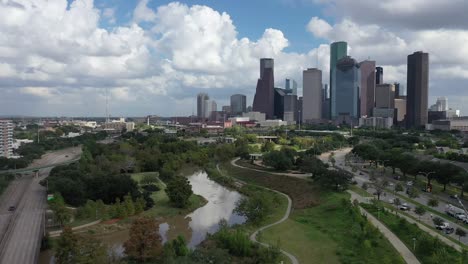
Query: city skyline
[[147, 74]]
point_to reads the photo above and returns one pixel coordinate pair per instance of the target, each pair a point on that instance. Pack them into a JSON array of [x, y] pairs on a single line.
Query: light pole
[[427, 177], [414, 244]]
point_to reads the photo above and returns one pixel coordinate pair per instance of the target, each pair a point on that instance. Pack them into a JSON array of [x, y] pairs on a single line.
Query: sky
[[152, 57]]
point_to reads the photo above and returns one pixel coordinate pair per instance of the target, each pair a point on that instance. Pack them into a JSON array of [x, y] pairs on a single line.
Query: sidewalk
[[407, 255]]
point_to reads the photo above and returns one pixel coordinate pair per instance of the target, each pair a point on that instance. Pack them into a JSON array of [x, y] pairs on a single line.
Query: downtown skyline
[[149, 69]]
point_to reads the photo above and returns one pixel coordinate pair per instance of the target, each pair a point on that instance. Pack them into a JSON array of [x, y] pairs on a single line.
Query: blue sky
[[154, 56]]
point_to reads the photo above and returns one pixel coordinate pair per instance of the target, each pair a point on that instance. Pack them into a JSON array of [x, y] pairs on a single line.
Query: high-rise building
[[210, 107], [417, 89], [385, 95], [226, 109], [367, 93], [290, 108], [279, 103], [6, 138], [338, 50], [345, 90], [264, 94], [400, 106], [397, 90], [299, 111], [238, 104], [311, 95], [201, 98], [325, 102], [378, 75], [443, 103]]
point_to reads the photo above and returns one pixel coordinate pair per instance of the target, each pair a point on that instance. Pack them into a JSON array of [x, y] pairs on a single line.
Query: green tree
[[67, 247], [62, 214], [140, 205], [334, 179], [144, 243], [129, 205], [268, 146], [398, 187], [460, 233], [179, 191], [433, 202], [254, 208], [437, 221], [72, 248], [279, 160], [420, 211]]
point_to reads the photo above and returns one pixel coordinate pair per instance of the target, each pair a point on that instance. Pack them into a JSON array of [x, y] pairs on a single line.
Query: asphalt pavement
[[21, 230]]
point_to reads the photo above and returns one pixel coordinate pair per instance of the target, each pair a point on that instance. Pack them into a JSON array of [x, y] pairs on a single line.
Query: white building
[[19, 142], [130, 126], [377, 122], [6, 138], [255, 116], [273, 123], [312, 95]]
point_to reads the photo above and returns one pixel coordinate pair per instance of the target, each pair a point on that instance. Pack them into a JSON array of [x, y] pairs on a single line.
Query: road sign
[[50, 197]]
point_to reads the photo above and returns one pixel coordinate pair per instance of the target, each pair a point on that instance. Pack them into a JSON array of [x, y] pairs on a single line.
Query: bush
[[179, 191]]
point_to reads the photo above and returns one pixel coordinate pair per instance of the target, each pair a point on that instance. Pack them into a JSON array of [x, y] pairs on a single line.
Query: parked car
[[449, 230], [460, 216], [391, 200], [11, 208], [409, 183], [404, 207], [396, 177], [442, 226]]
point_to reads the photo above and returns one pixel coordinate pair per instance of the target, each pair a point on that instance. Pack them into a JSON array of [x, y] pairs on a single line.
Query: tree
[[365, 186], [433, 202], [437, 221], [446, 173], [279, 160], [413, 192], [407, 164], [72, 248], [460, 233], [420, 211], [66, 247], [334, 179], [397, 202], [380, 187], [255, 208], [398, 187], [129, 205], [462, 180], [144, 243], [149, 178], [268, 146], [179, 191], [62, 214]]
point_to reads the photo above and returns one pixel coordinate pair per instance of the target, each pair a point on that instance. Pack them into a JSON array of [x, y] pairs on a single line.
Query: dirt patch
[[302, 192]]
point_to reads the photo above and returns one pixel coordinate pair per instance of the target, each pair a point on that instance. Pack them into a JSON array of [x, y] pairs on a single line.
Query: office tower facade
[[397, 90], [385, 95], [312, 95], [417, 89], [226, 109], [264, 94], [367, 92], [210, 107], [6, 138], [400, 106], [238, 104], [279, 103], [299, 110], [338, 50], [442, 103], [378, 75], [201, 104], [287, 85], [290, 108], [344, 98]]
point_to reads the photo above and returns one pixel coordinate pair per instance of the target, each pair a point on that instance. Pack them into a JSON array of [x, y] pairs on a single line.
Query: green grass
[[360, 191], [428, 249]]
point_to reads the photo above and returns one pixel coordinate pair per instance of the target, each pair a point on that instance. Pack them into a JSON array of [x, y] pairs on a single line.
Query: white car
[[443, 226], [404, 207], [460, 216]]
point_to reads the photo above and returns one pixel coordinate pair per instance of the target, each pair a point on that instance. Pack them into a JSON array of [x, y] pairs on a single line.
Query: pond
[[194, 226]]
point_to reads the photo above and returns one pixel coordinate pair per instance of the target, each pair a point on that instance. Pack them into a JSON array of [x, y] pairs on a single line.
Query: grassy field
[[428, 249], [163, 207], [320, 229]]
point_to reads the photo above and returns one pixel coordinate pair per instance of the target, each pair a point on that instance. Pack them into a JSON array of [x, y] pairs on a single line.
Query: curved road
[[253, 236]]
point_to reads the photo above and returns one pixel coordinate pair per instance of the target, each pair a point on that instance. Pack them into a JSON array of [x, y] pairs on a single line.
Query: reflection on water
[[194, 227]]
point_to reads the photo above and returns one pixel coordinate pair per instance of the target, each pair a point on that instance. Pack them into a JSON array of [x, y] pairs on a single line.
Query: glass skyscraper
[[338, 50], [346, 81]]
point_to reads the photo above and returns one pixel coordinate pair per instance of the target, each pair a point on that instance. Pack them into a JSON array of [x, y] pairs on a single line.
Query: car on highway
[[404, 207], [11, 208]]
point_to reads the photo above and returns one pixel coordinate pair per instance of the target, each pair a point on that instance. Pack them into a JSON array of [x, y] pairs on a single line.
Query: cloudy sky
[[59, 57]]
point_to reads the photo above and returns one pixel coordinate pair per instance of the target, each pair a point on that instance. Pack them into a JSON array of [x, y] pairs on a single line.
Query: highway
[[21, 230]]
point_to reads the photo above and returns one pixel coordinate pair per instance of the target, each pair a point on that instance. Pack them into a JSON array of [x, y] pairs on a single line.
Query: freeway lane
[[21, 231]]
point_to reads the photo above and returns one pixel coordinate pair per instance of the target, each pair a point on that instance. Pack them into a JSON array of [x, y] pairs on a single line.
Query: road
[[422, 199], [21, 231], [253, 236]]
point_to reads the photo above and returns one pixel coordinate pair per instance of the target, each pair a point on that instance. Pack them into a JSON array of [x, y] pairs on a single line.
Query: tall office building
[[400, 106], [345, 89], [325, 102], [6, 138], [378, 75], [442, 103], [290, 86], [312, 95], [201, 98], [338, 50], [385, 95], [417, 89], [367, 93], [264, 94], [210, 107], [278, 102], [238, 104], [290, 108]]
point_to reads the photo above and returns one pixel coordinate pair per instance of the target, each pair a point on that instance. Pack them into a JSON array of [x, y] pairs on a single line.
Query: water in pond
[[194, 226]]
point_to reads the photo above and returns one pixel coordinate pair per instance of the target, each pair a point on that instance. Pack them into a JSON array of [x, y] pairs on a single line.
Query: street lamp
[[427, 176]]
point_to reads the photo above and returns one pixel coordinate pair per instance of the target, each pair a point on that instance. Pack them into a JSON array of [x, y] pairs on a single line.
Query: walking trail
[[253, 236]]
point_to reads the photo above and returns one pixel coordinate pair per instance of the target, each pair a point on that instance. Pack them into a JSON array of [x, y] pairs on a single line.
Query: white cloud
[[109, 14], [142, 13]]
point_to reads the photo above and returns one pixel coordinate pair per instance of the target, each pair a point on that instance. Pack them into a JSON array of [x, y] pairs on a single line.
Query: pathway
[[407, 255], [253, 236]]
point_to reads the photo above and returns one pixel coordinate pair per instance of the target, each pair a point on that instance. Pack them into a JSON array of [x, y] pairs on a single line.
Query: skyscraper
[[290, 108], [6, 138], [367, 92], [312, 95], [442, 103], [325, 102], [210, 107], [238, 104], [338, 50], [201, 98], [417, 89], [385, 95], [264, 94], [279, 103], [378, 75], [345, 90]]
